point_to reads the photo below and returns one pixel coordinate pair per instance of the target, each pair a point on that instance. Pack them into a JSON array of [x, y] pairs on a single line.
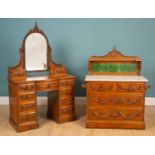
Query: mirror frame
[[36, 30], [54, 69]]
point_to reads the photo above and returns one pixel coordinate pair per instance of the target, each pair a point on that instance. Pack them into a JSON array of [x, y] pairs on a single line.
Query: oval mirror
[[36, 52]]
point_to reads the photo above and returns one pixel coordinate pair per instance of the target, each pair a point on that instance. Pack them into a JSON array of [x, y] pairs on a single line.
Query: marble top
[[38, 78], [132, 78]]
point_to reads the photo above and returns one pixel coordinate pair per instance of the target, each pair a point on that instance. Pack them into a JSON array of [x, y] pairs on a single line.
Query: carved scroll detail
[[115, 114], [129, 101], [101, 88], [130, 88], [115, 100]]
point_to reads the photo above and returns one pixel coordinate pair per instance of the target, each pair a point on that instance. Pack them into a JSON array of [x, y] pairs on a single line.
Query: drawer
[[115, 99], [26, 87], [45, 86], [27, 97], [27, 107], [130, 87], [67, 110], [100, 86], [113, 113], [29, 117], [66, 92], [67, 101], [65, 83]]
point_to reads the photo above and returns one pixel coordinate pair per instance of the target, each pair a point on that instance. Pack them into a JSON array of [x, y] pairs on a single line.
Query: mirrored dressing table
[[115, 92], [36, 56]]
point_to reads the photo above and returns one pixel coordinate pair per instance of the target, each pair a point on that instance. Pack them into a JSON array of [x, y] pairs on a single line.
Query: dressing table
[[36, 56], [115, 92]]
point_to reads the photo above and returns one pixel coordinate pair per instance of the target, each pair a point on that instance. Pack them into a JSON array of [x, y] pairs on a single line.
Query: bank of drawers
[[115, 101], [26, 102], [66, 97], [27, 98]]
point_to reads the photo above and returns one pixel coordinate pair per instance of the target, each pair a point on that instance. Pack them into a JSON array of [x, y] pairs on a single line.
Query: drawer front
[[66, 92], [130, 87], [27, 97], [100, 86], [115, 99], [45, 86], [67, 101], [26, 87], [65, 83], [27, 117], [113, 113], [67, 110], [27, 107]]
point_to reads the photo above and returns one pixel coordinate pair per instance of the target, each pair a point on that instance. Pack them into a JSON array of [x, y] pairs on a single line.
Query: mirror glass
[[36, 52]]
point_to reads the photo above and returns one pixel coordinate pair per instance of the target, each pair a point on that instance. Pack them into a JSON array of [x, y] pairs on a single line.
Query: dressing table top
[[41, 79]]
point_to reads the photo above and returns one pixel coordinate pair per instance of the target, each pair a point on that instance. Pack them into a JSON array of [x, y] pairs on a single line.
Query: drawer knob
[[26, 87], [26, 97]]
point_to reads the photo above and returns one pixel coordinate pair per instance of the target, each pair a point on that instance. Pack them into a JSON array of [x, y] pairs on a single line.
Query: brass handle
[[83, 86]]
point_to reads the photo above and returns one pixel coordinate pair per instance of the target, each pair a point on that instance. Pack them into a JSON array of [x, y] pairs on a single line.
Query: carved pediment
[[114, 55]]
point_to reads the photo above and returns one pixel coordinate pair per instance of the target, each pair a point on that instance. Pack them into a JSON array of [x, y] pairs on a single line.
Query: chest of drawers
[[115, 92], [115, 104]]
